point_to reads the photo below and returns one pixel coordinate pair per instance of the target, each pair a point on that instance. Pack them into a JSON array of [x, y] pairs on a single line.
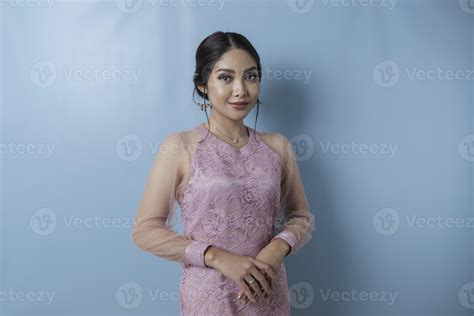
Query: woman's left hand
[[271, 255]]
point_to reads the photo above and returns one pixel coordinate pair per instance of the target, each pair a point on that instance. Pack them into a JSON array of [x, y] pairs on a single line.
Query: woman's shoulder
[[274, 139], [183, 137]]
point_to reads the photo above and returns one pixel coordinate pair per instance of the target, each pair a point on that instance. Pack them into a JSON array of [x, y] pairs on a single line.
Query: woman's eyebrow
[[230, 70]]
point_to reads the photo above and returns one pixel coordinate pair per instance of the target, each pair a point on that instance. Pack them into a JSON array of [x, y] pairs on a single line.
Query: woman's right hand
[[238, 268]]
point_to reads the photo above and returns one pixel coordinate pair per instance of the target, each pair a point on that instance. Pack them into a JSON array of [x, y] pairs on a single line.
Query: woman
[[230, 182]]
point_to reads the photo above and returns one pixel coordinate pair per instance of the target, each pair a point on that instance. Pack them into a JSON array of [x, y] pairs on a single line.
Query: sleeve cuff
[[289, 237], [194, 253]]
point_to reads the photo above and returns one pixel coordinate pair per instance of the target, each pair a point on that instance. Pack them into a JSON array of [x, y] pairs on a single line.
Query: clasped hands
[[255, 276]]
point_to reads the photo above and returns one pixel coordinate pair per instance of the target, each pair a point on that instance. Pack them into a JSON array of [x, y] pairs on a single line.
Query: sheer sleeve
[[298, 222], [151, 230]]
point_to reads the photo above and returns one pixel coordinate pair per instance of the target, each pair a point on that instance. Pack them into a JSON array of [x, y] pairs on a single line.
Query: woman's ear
[[201, 88]]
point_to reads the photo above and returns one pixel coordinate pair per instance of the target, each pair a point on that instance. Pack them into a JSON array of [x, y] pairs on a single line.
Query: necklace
[[235, 141]]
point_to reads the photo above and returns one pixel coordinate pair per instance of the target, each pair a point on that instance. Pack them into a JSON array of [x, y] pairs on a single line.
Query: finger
[[267, 277], [271, 276], [242, 295], [267, 268], [261, 280], [256, 289], [247, 291]]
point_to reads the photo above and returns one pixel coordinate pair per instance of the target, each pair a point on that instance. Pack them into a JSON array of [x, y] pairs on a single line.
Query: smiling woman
[[231, 183], [231, 83]]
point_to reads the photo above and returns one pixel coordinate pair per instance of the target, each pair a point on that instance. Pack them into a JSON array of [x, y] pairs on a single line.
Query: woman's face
[[234, 78]]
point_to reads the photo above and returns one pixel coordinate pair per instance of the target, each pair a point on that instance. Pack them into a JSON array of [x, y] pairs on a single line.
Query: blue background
[[377, 77]]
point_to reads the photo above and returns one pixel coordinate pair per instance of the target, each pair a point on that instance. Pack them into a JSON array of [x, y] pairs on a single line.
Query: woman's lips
[[239, 106]]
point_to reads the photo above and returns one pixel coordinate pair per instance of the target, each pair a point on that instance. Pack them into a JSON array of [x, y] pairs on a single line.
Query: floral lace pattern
[[230, 198], [231, 202]]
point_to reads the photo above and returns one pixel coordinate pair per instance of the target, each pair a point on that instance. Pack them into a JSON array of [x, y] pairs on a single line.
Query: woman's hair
[[211, 49]]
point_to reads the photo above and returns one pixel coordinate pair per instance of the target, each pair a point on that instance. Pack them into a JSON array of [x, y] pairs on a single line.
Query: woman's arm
[[150, 231], [299, 222]]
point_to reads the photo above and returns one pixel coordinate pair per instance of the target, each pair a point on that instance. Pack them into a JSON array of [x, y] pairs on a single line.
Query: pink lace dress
[[230, 198]]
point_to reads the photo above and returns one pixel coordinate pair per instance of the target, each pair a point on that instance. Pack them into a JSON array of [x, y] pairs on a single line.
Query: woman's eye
[[254, 76], [222, 77], [250, 77]]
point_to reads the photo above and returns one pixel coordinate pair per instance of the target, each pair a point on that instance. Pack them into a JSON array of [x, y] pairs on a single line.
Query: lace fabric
[[230, 198]]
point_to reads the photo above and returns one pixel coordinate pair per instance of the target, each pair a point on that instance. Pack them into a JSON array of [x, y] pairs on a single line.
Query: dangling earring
[[258, 103], [204, 105]]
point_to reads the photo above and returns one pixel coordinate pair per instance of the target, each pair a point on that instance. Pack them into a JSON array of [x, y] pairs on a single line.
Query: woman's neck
[[229, 128]]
